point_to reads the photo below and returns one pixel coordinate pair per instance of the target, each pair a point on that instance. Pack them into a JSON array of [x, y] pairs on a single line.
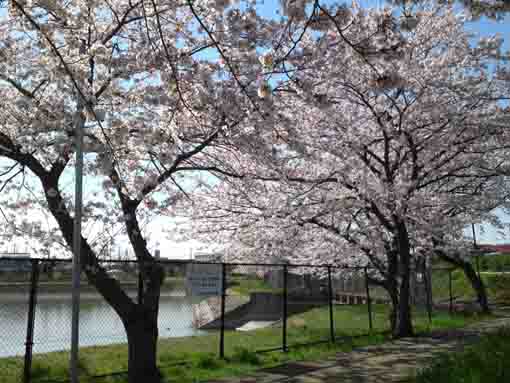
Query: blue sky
[[486, 233]]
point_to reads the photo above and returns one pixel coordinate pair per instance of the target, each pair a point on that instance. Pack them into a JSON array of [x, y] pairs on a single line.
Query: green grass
[[246, 284], [498, 262], [201, 351], [484, 362], [498, 286]]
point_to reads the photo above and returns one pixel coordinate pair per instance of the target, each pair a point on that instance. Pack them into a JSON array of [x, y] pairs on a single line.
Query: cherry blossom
[[377, 151], [144, 81]]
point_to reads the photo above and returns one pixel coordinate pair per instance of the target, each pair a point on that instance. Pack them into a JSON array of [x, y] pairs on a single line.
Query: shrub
[[243, 355], [485, 362], [208, 361]]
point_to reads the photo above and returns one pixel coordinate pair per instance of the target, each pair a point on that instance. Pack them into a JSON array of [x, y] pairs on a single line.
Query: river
[[99, 325]]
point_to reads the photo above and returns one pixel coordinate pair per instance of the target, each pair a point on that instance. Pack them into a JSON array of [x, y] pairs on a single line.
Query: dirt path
[[387, 363]]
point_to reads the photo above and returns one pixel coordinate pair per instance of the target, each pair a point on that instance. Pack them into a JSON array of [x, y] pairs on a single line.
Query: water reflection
[[99, 324]]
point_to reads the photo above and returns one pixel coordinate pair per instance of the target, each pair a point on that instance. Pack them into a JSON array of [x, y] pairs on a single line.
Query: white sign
[[204, 279]]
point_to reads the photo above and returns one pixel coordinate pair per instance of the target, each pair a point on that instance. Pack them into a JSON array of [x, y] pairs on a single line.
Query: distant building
[[19, 264], [207, 257], [63, 266], [495, 249]]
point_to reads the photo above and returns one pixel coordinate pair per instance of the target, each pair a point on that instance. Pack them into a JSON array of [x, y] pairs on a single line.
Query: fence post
[[369, 300], [34, 279], [284, 323], [330, 296], [428, 291], [223, 297], [450, 289]]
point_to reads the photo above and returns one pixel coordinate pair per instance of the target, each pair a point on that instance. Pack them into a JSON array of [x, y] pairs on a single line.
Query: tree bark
[[399, 317], [397, 283], [142, 334], [403, 326], [393, 293]]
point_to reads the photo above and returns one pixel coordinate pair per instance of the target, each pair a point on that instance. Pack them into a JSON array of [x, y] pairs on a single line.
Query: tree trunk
[[478, 286], [403, 326], [142, 334], [393, 293], [476, 283], [397, 283], [400, 314]]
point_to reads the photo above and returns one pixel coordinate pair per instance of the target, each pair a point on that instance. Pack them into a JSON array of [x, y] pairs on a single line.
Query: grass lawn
[[247, 284], [500, 262], [484, 362], [200, 352], [498, 286]]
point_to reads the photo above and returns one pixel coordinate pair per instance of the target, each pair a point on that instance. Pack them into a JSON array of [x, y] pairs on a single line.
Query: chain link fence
[[214, 309], [14, 309]]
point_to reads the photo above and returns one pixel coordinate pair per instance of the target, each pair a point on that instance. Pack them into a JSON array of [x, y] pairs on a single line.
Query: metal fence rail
[[293, 305]]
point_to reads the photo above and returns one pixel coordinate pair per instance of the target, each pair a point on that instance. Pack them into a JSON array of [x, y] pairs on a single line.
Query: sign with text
[[204, 279]]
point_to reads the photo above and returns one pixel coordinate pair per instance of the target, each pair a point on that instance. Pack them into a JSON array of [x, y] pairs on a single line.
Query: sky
[[486, 233], [170, 249]]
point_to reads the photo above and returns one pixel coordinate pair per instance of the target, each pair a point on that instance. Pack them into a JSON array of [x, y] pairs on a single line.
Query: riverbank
[[15, 292]]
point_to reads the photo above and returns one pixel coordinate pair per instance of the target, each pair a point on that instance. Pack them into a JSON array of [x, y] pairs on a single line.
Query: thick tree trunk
[[400, 313], [142, 328], [393, 293], [142, 333], [403, 326]]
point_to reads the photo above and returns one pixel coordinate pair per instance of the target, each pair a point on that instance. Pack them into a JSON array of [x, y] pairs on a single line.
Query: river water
[[99, 325]]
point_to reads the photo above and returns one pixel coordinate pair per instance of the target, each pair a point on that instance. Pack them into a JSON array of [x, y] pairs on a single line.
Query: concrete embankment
[[260, 307]]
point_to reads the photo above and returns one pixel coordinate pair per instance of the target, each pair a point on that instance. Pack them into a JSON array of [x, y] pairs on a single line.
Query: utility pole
[[78, 202], [474, 235]]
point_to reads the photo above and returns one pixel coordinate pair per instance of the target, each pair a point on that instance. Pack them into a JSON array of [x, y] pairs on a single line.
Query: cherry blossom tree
[[401, 117], [493, 9], [161, 89]]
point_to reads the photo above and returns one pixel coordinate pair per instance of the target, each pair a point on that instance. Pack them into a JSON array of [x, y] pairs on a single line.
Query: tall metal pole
[[78, 202], [34, 280], [450, 290], [369, 300], [284, 324], [223, 298], [428, 287], [474, 234], [330, 298]]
